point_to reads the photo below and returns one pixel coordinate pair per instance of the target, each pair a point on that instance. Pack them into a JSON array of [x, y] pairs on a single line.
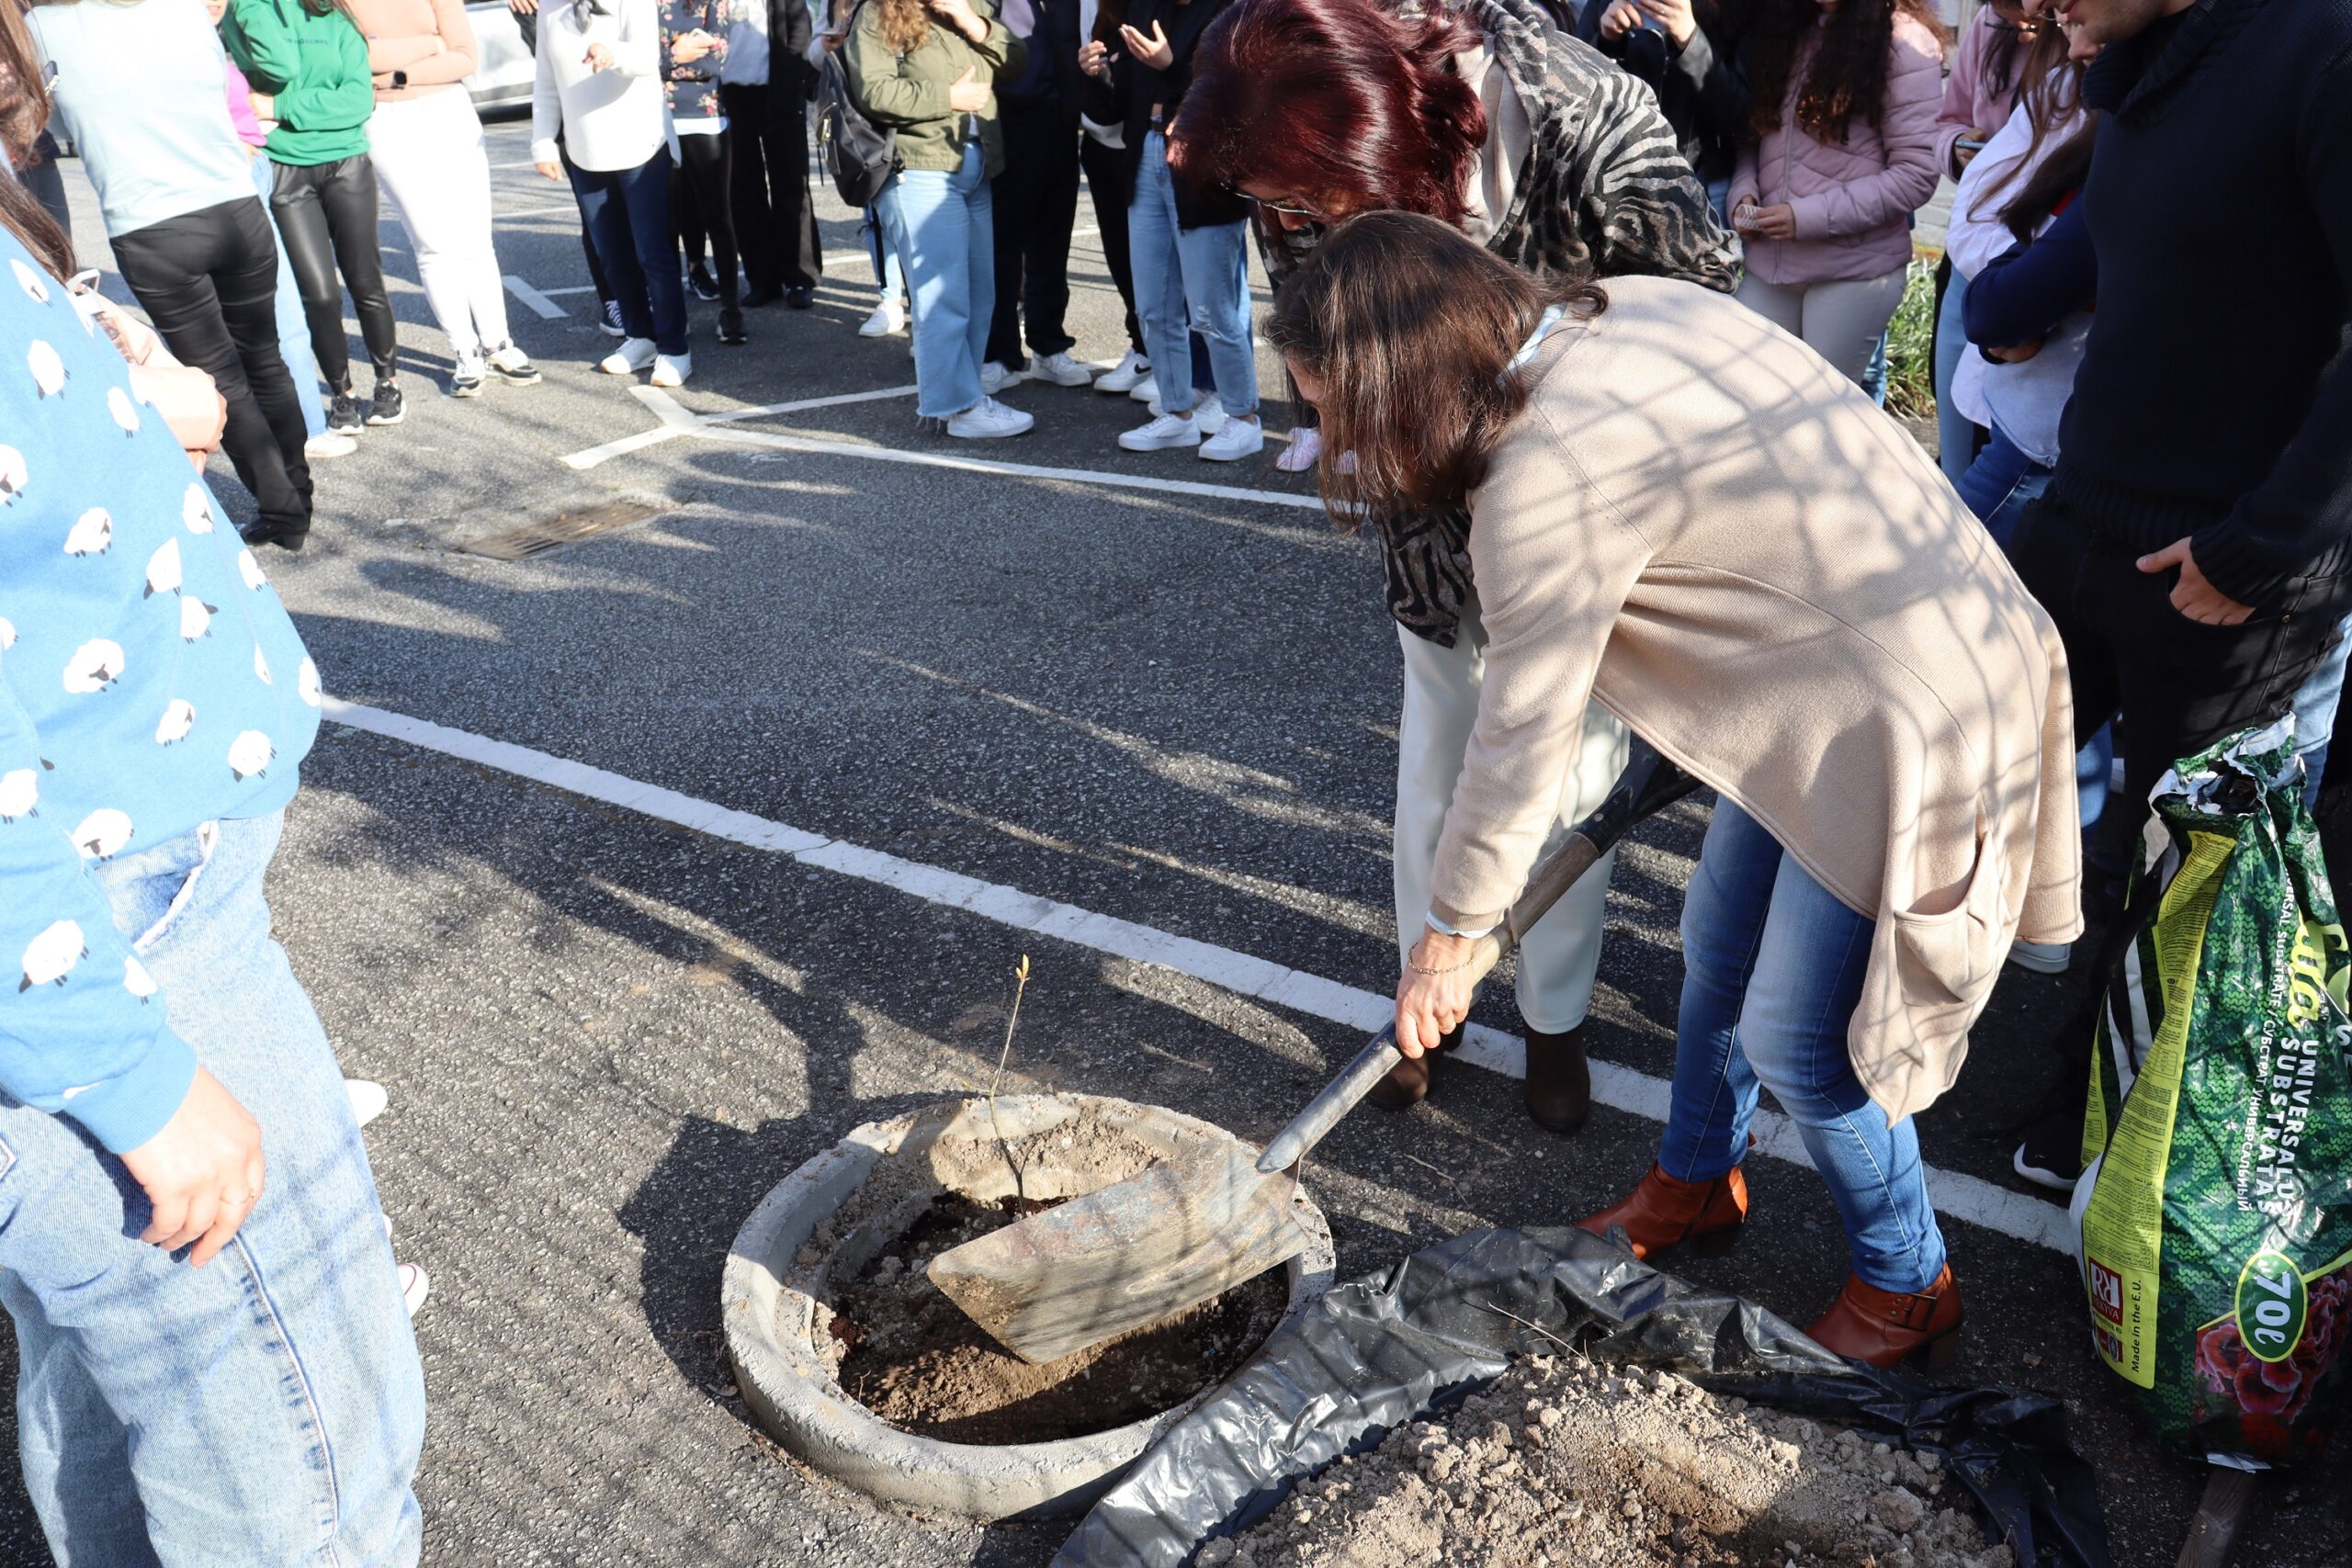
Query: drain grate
[[542, 534]]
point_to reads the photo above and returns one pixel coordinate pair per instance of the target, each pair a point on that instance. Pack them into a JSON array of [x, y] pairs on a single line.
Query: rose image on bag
[[2267, 1399]]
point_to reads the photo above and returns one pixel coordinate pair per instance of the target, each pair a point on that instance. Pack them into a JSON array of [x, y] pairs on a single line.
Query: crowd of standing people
[[1580, 309]]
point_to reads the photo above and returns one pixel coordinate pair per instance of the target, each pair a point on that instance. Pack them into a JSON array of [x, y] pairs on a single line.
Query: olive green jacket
[[908, 94]]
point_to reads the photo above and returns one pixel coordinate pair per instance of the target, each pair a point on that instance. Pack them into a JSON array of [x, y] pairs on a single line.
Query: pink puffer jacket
[[1853, 200]]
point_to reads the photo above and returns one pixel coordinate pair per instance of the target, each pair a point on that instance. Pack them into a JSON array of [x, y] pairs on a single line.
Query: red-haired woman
[[1486, 116], [1895, 804], [1844, 114]]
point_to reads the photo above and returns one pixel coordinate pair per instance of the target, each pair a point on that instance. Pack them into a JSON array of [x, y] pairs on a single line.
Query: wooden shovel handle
[[1648, 783]]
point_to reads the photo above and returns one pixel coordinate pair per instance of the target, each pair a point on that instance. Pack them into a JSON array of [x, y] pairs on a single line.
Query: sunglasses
[[1288, 209]]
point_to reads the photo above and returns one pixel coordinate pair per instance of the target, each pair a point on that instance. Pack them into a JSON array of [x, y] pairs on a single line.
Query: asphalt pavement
[[1030, 663]]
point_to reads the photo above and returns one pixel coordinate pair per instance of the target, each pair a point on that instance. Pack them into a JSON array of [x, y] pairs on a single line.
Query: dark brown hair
[[2061, 174], [1411, 328], [24, 111], [1846, 78]]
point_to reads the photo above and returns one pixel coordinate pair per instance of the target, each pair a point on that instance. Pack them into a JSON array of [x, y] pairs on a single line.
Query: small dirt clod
[[1625, 1467]]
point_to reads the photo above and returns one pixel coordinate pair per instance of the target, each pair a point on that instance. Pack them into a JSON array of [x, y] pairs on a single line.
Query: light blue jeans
[[267, 1408], [942, 227], [1773, 970], [2316, 702], [891, 278], [1197, 275], [293, 326]]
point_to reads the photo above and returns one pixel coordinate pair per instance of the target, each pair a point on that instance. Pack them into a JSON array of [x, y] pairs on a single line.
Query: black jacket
[[1051, 80], [789, 32], [2214, 401], [1703, 91], [1126, 98]]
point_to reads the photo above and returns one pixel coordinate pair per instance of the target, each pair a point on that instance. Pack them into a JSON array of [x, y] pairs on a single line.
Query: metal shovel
[[1187, 1230]]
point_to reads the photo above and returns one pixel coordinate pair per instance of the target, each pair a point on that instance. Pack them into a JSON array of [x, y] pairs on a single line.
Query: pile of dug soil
[[912, 1357], [1562, 1462]]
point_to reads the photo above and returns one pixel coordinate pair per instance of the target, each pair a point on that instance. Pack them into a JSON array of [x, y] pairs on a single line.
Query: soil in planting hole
[[917, 1362]]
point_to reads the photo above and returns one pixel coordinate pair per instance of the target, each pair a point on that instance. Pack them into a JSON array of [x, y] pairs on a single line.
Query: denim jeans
[[943, 228], [268, 1407], [2316, 702], [293, 326], [2000, 484], [1772, 969], [1200, 276], [1955, 433], [889, 277], [628, 212]]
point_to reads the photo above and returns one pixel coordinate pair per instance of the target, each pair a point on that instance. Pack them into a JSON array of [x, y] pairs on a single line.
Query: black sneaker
[[2051, 1155], [343, 415], [609, 320], [388, 407], [761, 298], [730, 329], [800, 297], [285, 538], [698, 279]]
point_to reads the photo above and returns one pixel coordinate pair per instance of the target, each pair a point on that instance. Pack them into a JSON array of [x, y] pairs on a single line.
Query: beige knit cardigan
[[1699, 523]]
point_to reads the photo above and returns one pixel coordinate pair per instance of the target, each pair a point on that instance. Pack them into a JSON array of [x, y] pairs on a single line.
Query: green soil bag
[[2215, 1208]]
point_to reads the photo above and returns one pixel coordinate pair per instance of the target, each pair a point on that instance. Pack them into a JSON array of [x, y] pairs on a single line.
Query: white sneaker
[[2041, 957], [996, 378], [1240, 438], [329, 443], [1208, 412], [1165, 432], [1306, 446], [514, 366], [1146, 390], [672, 369], [887, 320], [1061, 370], [368, 1100], [988, 420], [415, 1287], [1123, 376], [633, 355]]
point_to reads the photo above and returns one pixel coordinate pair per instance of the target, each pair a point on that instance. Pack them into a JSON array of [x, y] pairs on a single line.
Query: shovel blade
[[1124, 1257]]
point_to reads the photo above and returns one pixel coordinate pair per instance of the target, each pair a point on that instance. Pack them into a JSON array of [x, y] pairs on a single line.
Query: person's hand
[[2015, 352], [598, 58], [135, 339], [1154, 51], [551, 171], [192, 406], [1621, 17], [967, 94], [202, 1173], [264, 105], [2192, 595], [688, 48], [1676, 17], [1777, 222], [1963, 152], [1094, 58], [523, 7], [1434, 993], [959, 14]]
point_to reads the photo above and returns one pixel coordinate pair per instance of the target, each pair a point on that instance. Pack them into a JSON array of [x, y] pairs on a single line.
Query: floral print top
[[692, 88]]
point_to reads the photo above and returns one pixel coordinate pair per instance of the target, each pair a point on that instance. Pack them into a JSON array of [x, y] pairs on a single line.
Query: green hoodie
[[315, 66], [908, 94]]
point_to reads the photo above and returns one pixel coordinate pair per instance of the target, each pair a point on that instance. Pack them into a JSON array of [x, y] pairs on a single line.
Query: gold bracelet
[[1436, 969]]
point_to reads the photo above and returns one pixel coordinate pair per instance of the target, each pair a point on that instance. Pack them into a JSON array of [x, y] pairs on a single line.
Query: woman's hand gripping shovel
[[1189, 1229]]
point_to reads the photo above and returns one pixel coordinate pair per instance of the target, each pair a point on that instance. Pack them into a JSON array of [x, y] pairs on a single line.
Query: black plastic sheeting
[[1382, 1350]]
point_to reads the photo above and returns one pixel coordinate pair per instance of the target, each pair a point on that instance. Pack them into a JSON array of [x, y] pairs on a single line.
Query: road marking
[[837, 400], [569, 288], [1956, 1195], [547, 309]]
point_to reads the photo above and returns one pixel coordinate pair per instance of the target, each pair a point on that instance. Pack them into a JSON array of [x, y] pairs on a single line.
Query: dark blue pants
[[628, 219]]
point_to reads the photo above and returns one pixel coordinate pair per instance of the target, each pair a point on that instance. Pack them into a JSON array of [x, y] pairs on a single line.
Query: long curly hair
[[1845, 77], [905, 24]]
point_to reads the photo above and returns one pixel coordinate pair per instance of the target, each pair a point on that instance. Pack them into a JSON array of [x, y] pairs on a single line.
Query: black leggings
[[699, 202], [209, 280], [326, 213]]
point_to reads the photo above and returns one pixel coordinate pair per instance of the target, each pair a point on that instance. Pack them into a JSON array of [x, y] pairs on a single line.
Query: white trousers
[[430, 159], [1840, 322], [1562, 954]]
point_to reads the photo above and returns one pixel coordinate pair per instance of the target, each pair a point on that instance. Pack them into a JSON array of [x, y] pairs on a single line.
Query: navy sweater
[[2026, 292], [2213, 401]]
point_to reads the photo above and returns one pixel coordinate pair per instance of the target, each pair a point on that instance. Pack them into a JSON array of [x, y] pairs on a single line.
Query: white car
[[505, 78]]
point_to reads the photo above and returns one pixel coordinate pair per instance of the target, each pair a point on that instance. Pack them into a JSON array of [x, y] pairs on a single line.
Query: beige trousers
[[1839, 322], [1562, 954]]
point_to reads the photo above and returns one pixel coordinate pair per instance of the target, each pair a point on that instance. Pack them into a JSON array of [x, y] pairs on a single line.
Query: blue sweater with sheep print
[[149, 684]]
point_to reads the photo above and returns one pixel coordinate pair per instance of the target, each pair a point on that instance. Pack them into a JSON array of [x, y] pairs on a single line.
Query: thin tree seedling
[[1020, 986]]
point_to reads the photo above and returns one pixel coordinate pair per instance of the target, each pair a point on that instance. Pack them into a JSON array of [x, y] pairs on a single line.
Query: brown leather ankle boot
[[1559, 1083], [1885, 1327], [1664, 1211], [1408, 1083]]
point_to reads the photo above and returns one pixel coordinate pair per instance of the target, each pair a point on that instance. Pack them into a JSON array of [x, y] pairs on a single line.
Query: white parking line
[[547, 309], [1957, 1196]]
